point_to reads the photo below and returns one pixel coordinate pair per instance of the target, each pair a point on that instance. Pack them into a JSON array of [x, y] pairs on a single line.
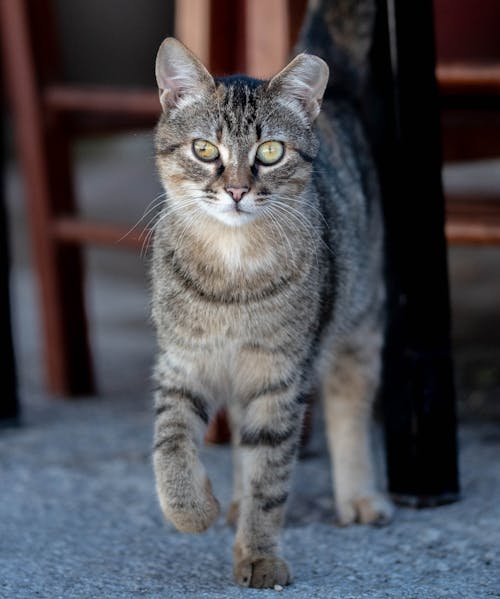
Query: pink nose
[[236, 192]]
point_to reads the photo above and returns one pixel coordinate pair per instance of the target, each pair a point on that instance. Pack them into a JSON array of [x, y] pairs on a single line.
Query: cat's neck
[[254, 248]]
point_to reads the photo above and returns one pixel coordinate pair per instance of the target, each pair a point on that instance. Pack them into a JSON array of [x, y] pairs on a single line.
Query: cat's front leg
[[269, 439], [182, 485]]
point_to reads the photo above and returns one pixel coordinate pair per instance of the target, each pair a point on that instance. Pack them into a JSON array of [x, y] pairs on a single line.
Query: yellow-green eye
[[270, 152], [205, 150]]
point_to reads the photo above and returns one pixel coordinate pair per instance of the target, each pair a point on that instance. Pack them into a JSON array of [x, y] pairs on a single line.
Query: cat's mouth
[[234, 214], [227, 208], [235, 209], [240, 210]]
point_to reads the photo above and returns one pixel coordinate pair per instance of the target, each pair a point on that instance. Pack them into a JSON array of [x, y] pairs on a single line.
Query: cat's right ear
[[179, 74], [303, 81]]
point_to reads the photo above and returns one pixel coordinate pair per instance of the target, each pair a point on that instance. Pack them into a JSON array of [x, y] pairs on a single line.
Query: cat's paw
[[262, 572], [373, 509], [233, 513], [195, 515]]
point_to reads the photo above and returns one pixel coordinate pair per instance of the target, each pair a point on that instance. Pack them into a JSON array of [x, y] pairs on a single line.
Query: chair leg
[[9, 403], [419, 399], [45, 163]]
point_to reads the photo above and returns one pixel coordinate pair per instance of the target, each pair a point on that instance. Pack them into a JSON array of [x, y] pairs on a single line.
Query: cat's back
[[341, 32], [346, 185]]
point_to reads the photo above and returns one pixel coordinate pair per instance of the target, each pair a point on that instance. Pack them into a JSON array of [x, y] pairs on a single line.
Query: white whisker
[[295, 217], [154, 204], [281, 232], [153, 223], [301, 201]]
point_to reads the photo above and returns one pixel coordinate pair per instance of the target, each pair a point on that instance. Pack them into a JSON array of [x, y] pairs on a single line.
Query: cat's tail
[[340, 32]]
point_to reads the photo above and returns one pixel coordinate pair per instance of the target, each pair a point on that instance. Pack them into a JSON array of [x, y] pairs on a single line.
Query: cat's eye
[[204, 150], [270, 152]]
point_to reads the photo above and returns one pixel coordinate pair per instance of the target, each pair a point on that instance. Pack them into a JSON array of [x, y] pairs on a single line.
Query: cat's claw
[[262, 573], [373, 509]]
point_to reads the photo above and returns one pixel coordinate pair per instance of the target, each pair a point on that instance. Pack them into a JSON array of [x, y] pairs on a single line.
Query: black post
[[419, 396], [9, 405]]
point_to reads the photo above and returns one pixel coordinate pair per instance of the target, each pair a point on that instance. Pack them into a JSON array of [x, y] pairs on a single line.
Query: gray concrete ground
[[78, 513]]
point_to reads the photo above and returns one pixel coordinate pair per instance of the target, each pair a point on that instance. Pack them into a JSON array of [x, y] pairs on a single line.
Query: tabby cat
[[267, 280]]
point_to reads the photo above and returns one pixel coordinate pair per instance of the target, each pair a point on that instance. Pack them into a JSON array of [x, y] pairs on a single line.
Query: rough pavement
[[79, 518]]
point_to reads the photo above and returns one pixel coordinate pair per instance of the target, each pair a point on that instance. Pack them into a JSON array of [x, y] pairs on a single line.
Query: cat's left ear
[[303, 80], [180, 74]]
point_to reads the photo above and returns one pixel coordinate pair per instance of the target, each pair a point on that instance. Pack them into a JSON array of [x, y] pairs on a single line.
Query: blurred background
[[78, 512], [88, 109]]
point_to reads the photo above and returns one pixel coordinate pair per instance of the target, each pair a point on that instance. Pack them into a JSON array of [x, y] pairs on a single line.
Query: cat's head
[[236, 149]]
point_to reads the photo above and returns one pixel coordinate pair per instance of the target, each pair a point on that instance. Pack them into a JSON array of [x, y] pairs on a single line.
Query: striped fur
[[254, 302]]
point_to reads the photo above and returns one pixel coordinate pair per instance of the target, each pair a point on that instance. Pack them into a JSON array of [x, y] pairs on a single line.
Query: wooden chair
[[9, 404], [469, 76], [470, 121], [48, 115]]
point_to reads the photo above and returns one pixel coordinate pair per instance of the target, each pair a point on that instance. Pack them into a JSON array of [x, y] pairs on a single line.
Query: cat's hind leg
[[182, 485], [349, 390]]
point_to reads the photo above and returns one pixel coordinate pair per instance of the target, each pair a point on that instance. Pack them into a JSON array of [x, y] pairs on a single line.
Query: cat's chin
[[233, 218]]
